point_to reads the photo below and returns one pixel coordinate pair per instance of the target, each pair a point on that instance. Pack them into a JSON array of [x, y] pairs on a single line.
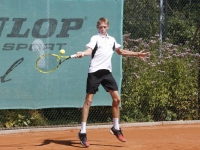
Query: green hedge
[[165, 87]]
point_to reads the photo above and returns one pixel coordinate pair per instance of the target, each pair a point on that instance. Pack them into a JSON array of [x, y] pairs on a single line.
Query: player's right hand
[[80, 54]]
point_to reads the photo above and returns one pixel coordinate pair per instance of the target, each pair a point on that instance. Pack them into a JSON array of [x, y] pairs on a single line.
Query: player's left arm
[[142, 54]]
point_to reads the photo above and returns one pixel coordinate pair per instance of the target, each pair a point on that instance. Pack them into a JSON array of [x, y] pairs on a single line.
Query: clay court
[[157, 137]]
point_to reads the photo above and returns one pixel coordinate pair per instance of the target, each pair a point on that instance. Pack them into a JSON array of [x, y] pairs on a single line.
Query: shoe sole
[[83, 144], [116, 136], [111, 132]]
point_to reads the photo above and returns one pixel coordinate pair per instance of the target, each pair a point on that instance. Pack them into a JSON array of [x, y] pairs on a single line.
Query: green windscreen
[[30, 28]]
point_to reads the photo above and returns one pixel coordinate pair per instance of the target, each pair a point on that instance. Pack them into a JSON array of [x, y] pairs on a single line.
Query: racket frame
[[60, 60]]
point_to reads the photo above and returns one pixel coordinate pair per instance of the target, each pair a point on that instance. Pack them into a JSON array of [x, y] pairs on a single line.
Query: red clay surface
[[166, 137]]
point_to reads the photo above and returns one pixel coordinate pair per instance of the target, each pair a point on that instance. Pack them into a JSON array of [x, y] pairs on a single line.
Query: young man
[[102, 47]]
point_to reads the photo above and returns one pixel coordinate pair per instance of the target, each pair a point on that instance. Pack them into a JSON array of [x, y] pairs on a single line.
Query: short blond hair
[[104, 20]]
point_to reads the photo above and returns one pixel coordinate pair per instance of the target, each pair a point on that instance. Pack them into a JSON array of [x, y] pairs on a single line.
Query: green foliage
[[164, 88], [20, 118], [182, 20], [180, 30], [140, 18], [61, 116]]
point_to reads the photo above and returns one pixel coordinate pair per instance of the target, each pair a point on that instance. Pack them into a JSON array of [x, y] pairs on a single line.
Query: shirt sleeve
[[117, 45], [92, 43]]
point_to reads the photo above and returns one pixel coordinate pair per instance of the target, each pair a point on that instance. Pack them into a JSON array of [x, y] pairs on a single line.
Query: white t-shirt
[[103, 52]]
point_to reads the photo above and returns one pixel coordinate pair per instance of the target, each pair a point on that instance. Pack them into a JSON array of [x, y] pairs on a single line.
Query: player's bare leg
[[116, 115], [115, 103], [85, 111], [86, 106]]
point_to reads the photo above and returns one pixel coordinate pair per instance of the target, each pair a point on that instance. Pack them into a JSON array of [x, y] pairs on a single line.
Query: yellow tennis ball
[[62, 51]]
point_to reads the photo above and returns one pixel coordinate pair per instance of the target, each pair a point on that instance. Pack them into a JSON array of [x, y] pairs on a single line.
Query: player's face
[[103, 27]]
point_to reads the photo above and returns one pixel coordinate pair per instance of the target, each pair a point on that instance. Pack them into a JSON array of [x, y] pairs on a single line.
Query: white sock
[[116, 123], [83, 127]]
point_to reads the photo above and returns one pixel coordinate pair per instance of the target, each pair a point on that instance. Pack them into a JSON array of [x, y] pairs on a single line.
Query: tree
[[140, 18]]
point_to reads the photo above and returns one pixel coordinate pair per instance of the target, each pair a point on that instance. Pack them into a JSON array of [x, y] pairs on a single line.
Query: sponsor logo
[[41, 29], [12, 67]]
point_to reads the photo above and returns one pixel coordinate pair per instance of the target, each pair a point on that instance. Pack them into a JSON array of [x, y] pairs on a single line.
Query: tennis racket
[[48, 63]]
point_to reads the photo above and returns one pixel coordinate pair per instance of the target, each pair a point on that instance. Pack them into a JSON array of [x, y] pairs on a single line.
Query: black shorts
[[103, 77]]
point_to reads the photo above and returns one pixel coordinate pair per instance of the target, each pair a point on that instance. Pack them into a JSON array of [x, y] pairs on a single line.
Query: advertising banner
[[31, 28]]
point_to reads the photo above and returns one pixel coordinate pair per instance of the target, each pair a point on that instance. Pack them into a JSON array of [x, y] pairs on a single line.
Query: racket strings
[[48, 63]]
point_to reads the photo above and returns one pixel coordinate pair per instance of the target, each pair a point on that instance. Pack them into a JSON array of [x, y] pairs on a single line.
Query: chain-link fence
[[163, 89]]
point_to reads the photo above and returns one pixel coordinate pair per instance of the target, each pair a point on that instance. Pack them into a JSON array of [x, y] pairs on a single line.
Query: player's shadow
[[73, 143], [61, 142]]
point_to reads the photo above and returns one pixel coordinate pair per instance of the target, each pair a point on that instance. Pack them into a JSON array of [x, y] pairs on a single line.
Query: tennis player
[[101, 48]]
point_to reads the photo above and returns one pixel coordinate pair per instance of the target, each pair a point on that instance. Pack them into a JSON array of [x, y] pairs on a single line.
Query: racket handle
[[73, 56]]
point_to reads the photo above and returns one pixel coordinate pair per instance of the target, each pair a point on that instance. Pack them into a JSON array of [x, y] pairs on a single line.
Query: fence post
[[160, 26], [166, 19]]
